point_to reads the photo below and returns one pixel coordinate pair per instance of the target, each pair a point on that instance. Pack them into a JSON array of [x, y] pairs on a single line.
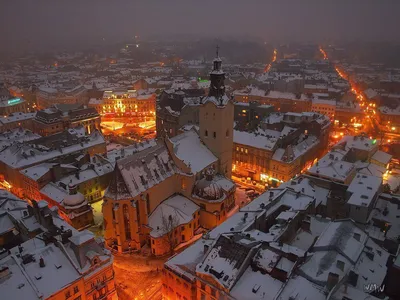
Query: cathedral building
[[162, 196]]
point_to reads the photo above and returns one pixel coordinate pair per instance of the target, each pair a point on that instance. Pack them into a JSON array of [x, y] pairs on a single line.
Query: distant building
[[43, 257], [48, 96], [60, 117], [249, 115], [178, 108], [17, 120], [12, 105], [282, 101], [283, 146], [19, 156], [325, 107], [122, 102]]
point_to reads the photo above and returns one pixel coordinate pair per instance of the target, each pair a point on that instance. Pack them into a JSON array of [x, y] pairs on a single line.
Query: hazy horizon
[[43, 25]]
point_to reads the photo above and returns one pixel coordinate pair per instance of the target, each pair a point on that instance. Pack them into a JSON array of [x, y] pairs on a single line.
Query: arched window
[[126, 222], [206, 133], [227, 133]]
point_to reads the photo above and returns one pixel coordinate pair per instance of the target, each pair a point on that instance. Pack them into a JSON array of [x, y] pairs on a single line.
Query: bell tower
[[217, 77], [216, 119]]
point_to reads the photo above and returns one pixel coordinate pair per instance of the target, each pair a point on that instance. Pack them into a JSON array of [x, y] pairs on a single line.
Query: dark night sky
[[48, 24]]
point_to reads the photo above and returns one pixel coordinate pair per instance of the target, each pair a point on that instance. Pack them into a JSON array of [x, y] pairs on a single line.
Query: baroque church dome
[[207, 188], [74, 198]]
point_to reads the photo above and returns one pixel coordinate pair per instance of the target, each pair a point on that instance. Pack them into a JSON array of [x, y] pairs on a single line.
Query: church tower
[[216, 119]]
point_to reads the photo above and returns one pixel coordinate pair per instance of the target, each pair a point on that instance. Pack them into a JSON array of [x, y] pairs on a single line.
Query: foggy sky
[[48, 24]]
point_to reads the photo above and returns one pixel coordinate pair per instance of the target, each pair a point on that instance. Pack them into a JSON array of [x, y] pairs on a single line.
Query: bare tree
[[169, 224]]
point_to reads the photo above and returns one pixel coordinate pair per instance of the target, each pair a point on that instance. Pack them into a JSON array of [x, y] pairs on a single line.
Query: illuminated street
[[268, 67], [137, 277]]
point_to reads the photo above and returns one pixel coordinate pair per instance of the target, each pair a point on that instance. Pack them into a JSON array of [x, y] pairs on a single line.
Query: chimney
[[4, 271], [20, 249], [305, 225], [206, 247], [72, 188], [333, 279], [41, 262]]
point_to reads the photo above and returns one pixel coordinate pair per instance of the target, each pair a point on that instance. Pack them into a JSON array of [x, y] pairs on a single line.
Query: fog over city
[[43, 24]]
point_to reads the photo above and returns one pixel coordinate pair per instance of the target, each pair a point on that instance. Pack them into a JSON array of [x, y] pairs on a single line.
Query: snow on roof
[[36, 172], [82, 237], [363, 188], [185, 262], [343, 247], [382, 157], [181, 210], [389, 111], [54, 192], [238, 222], [386, 210], [265, 141], [227, 258], [189, 148], [23, 155], [359, 142], [18, 284], [324, 102], [305, 238], [266, 259], [332, 167], [141, 171], [370, 169], [129, 150], [370, 93], [300, 288], [307, 186], [274, 118], [345, 236], [45, 281], [255, 285], [16, 117]]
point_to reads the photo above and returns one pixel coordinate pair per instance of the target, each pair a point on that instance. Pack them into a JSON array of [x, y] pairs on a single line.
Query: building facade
[[287, 145], [125, 103], [60, 117]]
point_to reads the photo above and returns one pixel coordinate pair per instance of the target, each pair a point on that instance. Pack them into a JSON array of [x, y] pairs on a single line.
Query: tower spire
[[217, 50]]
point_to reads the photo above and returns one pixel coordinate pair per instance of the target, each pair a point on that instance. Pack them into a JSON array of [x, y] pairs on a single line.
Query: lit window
[[246, 151]]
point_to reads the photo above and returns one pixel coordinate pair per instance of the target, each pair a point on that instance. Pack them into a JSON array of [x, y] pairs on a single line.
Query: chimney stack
[[333, 279], [41, 262]]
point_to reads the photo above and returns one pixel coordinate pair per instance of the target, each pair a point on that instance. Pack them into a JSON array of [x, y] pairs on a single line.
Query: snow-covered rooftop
[[189, 148], [363, 189], [181, 210]]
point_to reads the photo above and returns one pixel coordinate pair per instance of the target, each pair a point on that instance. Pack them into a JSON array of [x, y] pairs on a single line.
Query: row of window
[[215, 134], [69, 295]]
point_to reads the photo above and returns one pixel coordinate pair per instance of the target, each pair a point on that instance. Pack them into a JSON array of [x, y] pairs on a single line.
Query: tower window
[[215, 135], [206, 133]]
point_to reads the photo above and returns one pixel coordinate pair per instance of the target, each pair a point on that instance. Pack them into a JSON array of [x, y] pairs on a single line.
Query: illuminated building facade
[[287, 144], [60, 117], [125, 103], [281, 101], [12, 105], [20, 156]]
